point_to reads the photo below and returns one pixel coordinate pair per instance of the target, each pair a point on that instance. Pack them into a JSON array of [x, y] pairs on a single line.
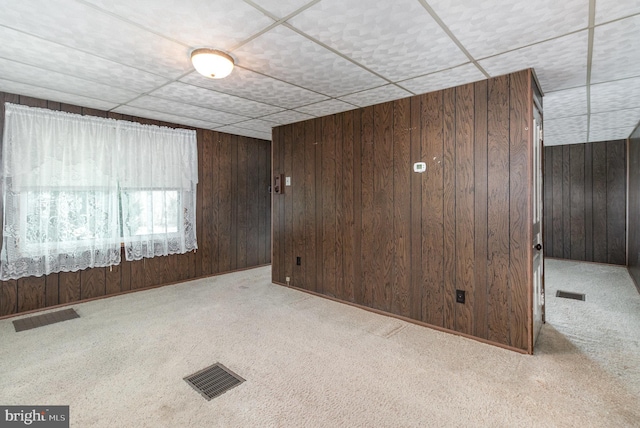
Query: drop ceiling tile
[[569, 102], [618, 119], [286, 55], [397, 39], [288, 116], [617, 95], [561, 140], [376, 96], [610, 134], [565, 125], [248, 84], [615, 50], [30, 75], [559, 64], [83, 27], [256, 125], [490, 27], [325, 108], [53, 95], [165, 117], [443, 79], [608, 10], [186, 110], [196, 95], [229, 129], [216, 23], [281, 8], [34, 51]]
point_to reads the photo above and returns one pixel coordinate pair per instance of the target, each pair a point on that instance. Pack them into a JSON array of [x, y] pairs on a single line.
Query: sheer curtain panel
[[60, 192], [158, 177], [77, 187]]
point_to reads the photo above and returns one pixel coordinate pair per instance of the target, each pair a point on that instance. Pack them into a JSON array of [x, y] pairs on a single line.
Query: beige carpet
[[312, 362]]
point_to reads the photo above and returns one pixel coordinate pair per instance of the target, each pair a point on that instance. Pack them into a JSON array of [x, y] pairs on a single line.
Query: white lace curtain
[[75, 187]]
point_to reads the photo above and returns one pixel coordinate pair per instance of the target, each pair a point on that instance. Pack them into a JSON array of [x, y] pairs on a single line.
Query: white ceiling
[[298, 59]]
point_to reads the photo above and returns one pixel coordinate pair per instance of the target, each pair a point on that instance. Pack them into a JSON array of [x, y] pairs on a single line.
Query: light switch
[[288, 181], [419, 167]]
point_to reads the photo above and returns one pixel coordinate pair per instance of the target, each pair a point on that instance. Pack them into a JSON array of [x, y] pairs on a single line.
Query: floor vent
[[45, 319], [213, 381], [569, 295]]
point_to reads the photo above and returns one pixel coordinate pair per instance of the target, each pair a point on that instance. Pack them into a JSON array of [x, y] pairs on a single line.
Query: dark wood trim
[[403, 318], [120, 293]]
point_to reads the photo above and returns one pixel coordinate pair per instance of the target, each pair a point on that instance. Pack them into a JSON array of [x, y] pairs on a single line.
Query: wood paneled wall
[[233, 223], [585, 198], [370, 231], [633, 259]]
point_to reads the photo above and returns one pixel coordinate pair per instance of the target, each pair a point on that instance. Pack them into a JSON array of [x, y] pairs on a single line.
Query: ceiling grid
[[299, 59]]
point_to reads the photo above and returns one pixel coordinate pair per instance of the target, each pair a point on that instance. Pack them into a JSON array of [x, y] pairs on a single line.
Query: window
[[77, 187]]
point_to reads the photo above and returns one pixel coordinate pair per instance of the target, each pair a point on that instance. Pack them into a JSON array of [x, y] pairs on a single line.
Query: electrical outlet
[[460, 296], [298, 261], [287, 279]]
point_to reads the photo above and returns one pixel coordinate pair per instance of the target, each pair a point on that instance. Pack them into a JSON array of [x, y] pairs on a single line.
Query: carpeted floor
[[312, 362]]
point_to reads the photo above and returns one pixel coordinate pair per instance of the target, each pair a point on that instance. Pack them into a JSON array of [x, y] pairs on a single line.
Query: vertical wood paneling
[[288, 203], [113, 279], [213, 231], [418, 285], [297, 194], [206, 245], [465, 205], [480, 210], [557, 219], [52, 289], [199, 204], [449, 207], [498, 203], [599, 152], [594, 212], [309, 258], [577, 205], [348, 202], [432, 212], [358, 139], [262, 201], [402, 207], [219, 175], [31, 293], [92, 283], [328, 189], [253, 220], [69, 287], [383, 204], [409, 240], [8, 297], [317, 216], [339, 219], [588, 202], [616, 204], [369, 262], [225, 191], [242, 203], [566, 201], [520, 207]]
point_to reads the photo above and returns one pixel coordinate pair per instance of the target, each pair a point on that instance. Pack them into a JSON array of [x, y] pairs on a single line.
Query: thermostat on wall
[[419, 167]]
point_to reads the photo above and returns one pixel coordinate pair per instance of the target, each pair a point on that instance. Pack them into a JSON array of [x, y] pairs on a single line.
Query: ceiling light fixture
[[212, 63]]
